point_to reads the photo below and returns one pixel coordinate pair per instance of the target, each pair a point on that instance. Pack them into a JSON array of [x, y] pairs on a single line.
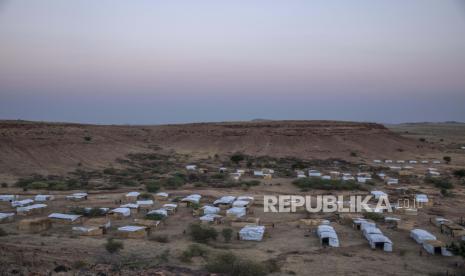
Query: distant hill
[[54, 148]]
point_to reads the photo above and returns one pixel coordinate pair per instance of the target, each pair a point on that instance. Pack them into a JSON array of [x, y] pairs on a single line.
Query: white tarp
[[21, 203], [421, 198], [5, 215], [240, 203], [30, 207], [237, 211], [7, 197], [210, 210], [371, 231], [170, 206], [209, 217], [77, 196], [162, 212], [252, 233], [130, 206], [130, 228], [145, 202], [194, 198], [122, 210], [43, 197], [380, 239], [83, 229], [420, 235], [132, 194], [224, 200], [64, 216], [162, 194], [326, 232], [378, 194]]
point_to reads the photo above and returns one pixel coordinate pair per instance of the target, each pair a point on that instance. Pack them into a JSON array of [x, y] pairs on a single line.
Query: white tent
[[162, 212], [130, 228], [132, 194], [84, 229], [420, 235], [314, 173], [224, 200], [7, 197], [236, 212], [421, 198], [77, 196], [28, 208], [161, 194], [130, 206], [240, 203], [327, 235], [170, 206], [252, 233], [64, 216], [246, 198], [21, 203], [126, 212], [6, 216], [191, 167], [43, 197], [209, 217], [194, 198], [371, 231], [380, 241], [378, 194], [210, 210], [145, 203]]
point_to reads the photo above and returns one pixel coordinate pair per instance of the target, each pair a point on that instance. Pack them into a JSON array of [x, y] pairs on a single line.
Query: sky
[[178, 61]]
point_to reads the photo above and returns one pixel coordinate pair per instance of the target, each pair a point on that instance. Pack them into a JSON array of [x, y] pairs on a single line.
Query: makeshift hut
[[236, 212], [132, 232], [190, 200], [87, 230], [170, 208], [435, 247], [149, 223], [120, 213], [211, 218], [252, 233], [31, 209], [379, 241], [21, 203], [145, 204], [77, 196], [161, 196], [327, 236], [420, 235], [102, 223], [7, 198], [133, 207], [132, 196], [7, 217], [452, 229], [34, 225], [42, 198], [65, 218], [224, 202], [210, 210]]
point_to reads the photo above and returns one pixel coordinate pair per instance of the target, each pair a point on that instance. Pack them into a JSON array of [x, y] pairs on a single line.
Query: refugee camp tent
[[8, 198], [211, 218], [77, 196], [161, 196], [314, 173], [392, 181], [162, 212], [236, 212], [438, 221], [452, 229], [64, 218], [420, 235], [252, 233], [31, 209], [361, 223], [377, 161], [191, 199], [120, 212], [224, 201], [6, 217], [21, 203], [421, 198], [435, 247], [327, 235], [43, 197], [378, 194], [241, 203], [191, 167], [210, 210], [171, 208], [87, 230], [370, 230], [132, 196], [145, 203], [132, 231], [102, 223], [380, 241]]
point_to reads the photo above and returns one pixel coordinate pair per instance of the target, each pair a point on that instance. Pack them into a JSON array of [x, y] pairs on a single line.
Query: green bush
[[441, 183], [229, 264], [227, 234], [194, 250], [174, 182], [152, 186], [38, 185], [92, 212], [237, 157], [113, 246], [323, 184], [145, 196], [459, 173], [447, 159], [155, 216], [374, 216], [202, 234]]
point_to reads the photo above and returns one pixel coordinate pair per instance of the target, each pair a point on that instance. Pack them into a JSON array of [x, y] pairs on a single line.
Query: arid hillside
[[55, 148]]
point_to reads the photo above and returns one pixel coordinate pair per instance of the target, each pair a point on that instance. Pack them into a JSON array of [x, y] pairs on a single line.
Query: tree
[[113, 246], [202, 234], [227, 234], [459, 173], [237, 157], [447, 159]]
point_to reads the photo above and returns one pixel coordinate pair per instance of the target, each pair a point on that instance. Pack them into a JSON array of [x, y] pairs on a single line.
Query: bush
[[457, 248], [422, 140], [3, 233], [194, 250], [92, 212], [113, 246], [459, 173], [87, 138], [353, 154], [174, 182], [323, 184], [145, 196], [229, 264], [155, 216], [447, 159], [227, 234], [374, 216], [440, 183], [237, 157], [152, 186], [202, 234]]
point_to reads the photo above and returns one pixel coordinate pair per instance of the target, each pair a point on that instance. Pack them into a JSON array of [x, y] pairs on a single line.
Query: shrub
[[422, 140], [440, 183], [174, 182], [353, 154], [459, 173], [227, 234], [92, 212], [237, 157], [152, 186], [194, 250], [38, 185], [229, 264], [457, 248], [145, 196], [374, 216], [87, 138], [202, 234], [323, 184], [3, 232], [155, 216], [447, 159], [113, 246]]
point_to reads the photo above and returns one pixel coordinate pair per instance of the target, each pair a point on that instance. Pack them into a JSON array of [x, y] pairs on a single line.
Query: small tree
[[113, 246], [87, 138], [227, 234], [237, 157], [447, 159], [459, 173], [202, 234]]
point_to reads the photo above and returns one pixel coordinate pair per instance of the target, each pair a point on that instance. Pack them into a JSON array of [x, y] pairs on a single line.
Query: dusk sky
[[173, 61]]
